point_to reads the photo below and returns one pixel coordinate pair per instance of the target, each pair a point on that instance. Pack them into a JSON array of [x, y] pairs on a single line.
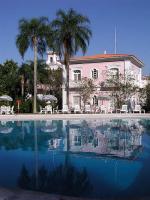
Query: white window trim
[[72, 74]]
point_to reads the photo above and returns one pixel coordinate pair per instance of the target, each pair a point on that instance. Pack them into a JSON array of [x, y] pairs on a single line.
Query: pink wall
[[103, 68], [86, 69]]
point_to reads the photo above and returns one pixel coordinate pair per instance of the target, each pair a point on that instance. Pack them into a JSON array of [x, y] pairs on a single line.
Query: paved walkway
[[18, 117]]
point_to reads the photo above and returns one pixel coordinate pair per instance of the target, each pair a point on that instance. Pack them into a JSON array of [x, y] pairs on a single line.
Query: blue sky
[[131, 17]]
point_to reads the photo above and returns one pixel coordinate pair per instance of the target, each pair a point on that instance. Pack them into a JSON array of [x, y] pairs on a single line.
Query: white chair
[[3, 110], [42, 110], [97, 109], [109, 109], [77, 109], [12, 110], [124, 109], [138, 109], [88, 108], [64, 110], [8, 110], [103, 109], [49, 109]]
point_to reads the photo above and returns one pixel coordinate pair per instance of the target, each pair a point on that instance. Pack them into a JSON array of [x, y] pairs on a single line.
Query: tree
[[147, 97], [86, 88], [121, 87], [26, 78], [34, 33], [71, 34], [9, 78]]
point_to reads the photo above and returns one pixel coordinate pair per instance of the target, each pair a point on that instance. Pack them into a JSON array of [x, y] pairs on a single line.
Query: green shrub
[[26, 106]]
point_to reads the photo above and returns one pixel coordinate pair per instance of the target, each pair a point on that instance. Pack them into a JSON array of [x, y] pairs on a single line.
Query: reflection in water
[[112, 138], [75, 157], [66, 180], [5, 127], [120, 138], [49, 127]]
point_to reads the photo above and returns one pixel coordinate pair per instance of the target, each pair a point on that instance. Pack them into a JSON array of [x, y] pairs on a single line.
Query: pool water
[[88, 158]]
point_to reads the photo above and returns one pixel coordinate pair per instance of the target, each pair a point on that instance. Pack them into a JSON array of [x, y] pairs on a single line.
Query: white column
[[64, 92]]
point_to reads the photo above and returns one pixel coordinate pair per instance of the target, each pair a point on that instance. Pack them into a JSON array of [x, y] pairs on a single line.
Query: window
[[94, 73], [77, 75], [76, 100], [95, 101], [77, 140], [51, 59], [114, 72]]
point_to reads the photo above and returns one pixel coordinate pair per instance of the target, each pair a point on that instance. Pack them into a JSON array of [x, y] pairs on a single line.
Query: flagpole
[[115, 40]]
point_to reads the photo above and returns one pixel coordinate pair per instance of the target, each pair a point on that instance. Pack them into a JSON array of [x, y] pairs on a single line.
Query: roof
[[99, 56], [106, 58], [145, 77]]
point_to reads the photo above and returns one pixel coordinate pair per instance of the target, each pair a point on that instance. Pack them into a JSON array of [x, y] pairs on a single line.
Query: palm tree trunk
[[66, 62], [35, 75], [22, 86], [67, 85]]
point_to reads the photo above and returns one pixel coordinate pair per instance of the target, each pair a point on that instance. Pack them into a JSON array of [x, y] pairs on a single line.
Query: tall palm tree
[[72, 33], [34, 33]]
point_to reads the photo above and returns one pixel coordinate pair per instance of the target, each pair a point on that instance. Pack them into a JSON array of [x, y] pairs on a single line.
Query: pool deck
[[25, 117], [18, 194]]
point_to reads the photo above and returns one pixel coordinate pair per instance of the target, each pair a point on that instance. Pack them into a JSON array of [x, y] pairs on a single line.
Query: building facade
[[98, 68]]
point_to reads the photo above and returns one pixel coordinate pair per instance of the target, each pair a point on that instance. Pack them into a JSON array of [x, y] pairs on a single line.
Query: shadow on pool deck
[[17, 194]]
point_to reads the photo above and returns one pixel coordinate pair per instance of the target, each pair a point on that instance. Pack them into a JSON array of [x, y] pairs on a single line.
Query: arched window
[[94, 73]]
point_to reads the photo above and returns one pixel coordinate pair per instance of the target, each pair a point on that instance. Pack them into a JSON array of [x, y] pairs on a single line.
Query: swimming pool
[[90, 158]]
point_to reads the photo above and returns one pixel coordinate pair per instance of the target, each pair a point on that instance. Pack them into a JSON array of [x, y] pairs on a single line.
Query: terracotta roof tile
[[97, 56]]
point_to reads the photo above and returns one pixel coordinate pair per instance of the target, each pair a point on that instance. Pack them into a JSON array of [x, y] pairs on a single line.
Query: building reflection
[[119, 138]]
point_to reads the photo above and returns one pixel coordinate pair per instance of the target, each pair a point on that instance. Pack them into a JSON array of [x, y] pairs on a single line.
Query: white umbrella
[[49, 98], [5, 98], [40, 96]]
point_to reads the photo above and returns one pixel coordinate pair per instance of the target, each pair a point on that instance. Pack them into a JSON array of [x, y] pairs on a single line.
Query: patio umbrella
[[5, 98], [49, 98], [40, 96]]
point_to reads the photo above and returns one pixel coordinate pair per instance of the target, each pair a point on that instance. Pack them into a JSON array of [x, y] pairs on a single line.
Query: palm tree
[[71, 34], [34, 33]]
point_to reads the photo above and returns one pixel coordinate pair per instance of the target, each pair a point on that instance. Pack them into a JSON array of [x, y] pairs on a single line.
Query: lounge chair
[[4, 109], [124, 109], [49, 109], [77, 109], [97, 109], [88, 108], [138, 109], [9, 110], [103, 109], [64, 110], [12, 110], [42, 110]]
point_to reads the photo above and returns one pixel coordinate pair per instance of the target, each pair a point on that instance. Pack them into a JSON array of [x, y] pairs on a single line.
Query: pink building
[[96, 67]]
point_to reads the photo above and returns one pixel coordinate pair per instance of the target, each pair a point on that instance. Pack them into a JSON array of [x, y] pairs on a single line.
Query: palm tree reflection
[[66, 180]]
